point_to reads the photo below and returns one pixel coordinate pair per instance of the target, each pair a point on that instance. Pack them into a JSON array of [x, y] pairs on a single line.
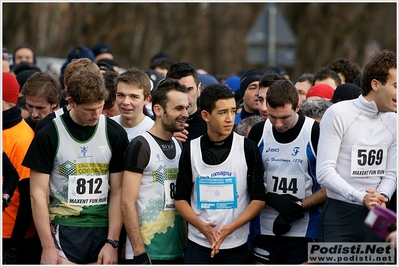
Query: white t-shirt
[[144, 125]]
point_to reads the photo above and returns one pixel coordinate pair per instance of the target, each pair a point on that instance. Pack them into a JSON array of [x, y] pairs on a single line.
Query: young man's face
[[387, 94], [193, 93], [38, 107], [262, 102], [250, 98], [282, 118], [221, 121], [175, 114], [86, 114], [130, 100]]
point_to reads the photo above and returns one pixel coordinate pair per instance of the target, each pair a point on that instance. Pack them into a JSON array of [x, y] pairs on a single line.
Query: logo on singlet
[[83, 150], [272, 149], [295, 151]]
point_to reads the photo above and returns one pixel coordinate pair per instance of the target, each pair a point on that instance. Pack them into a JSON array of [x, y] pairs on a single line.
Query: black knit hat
[[346, 91], [23, 76], [247, 78]]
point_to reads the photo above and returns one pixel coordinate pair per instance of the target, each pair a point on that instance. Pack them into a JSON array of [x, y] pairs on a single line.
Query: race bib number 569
[[368, 161]]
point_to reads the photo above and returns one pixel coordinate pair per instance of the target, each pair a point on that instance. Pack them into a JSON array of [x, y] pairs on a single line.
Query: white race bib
[[368, 161], [88, 190], [288, 184], [170, 193]]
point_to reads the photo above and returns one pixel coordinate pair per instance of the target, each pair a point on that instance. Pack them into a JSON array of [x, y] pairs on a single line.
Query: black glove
[[285, 205], [142, 258], [10, 256], [281, 225]]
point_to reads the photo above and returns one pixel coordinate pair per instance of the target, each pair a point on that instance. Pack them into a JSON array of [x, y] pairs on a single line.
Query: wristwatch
[[114, 243], [299, 202], [384, 195], [6, 200]]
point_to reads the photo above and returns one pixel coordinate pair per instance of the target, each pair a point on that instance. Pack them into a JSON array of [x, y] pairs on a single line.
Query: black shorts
[[281, 250], [79, 245], [344, 222]]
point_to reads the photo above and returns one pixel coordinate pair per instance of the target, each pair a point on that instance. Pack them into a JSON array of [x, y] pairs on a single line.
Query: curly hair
[[243, 127], [377, 68], [77, 64], [86, 86], [348, 69], [314, 108]]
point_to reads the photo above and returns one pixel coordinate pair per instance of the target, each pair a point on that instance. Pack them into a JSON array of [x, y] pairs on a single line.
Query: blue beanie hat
[[79, 51], [207, 79], [233, 82]]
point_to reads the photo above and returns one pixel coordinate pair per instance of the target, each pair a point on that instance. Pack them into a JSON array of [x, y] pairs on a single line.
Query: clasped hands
[[373, 197], [216, 237]]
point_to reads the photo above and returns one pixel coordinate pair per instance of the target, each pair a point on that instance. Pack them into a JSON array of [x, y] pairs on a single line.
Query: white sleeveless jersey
[[234, 166], [161, 227], [80, 178], [289, 169], [143, 126]]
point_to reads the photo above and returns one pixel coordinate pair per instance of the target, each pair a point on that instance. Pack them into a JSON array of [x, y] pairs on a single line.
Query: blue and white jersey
[[290, 168]]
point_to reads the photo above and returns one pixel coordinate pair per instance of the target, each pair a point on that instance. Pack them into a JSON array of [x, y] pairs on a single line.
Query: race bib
[[170, 192], [216, 193], [368, 161], [287, 184], [88, 190]]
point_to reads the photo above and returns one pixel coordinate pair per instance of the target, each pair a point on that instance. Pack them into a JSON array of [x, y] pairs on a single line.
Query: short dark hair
[[211, 94], [163, 63], [160, 94], [109, 81], [182, 69], [281, 93], [269, 78], [305, 77], [325, 73], [348, 69], [377, 68]]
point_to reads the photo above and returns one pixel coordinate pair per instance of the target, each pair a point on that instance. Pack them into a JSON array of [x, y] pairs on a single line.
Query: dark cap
[[80, 51], [346, 91], [23, 76], [277, 69], [101, 48]]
